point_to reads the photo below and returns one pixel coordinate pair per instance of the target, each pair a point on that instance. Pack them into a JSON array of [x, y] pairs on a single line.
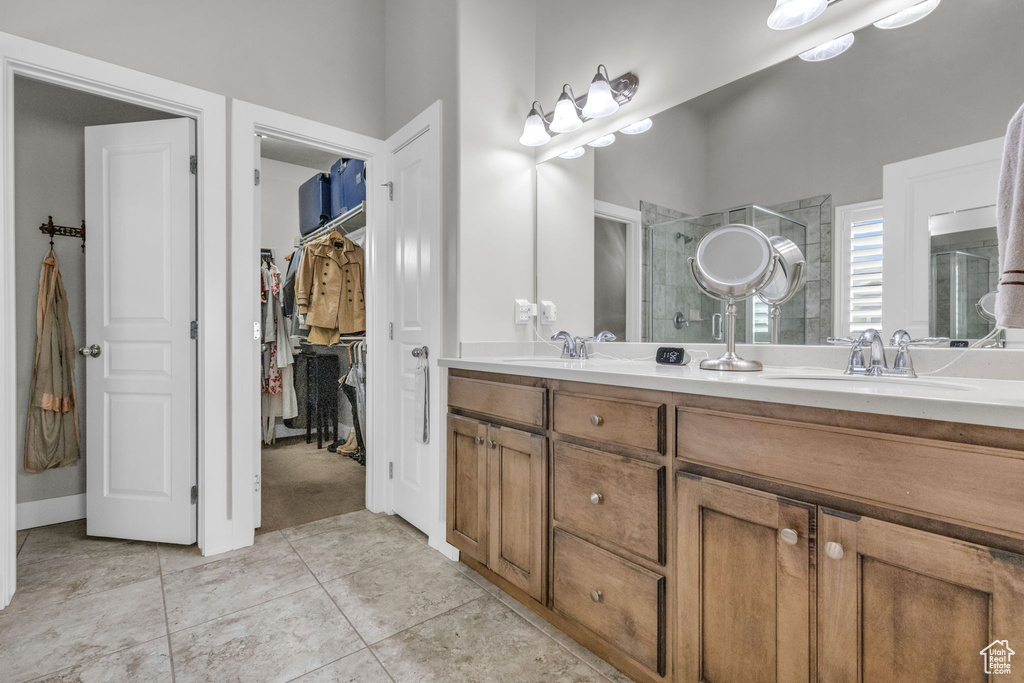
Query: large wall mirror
[[880, 164]]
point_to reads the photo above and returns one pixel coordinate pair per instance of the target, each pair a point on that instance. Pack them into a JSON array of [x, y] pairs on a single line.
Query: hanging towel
[[52, 438], [1010, 226]]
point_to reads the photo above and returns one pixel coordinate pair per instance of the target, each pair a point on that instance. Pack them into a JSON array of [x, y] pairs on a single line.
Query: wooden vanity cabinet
[[746, 585], [467, 518]]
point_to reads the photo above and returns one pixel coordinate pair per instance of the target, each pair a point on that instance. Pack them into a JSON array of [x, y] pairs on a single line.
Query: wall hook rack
[[48, 228]]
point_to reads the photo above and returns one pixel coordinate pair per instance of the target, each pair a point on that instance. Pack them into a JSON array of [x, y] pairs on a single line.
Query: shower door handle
[[716, 327]]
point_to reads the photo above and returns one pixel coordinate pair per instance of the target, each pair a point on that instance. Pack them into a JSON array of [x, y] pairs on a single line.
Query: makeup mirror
[[788, 281], [987, 307], [733, 264]]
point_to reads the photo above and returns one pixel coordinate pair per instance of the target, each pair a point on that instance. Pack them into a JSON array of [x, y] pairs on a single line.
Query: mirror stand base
[[731, 364]]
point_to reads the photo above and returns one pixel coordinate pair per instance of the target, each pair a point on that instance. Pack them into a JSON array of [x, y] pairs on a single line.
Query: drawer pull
[[596, 498], [596, 596], [492, 443], [596, 420], [789, 536], [834, 550], [479, 440]]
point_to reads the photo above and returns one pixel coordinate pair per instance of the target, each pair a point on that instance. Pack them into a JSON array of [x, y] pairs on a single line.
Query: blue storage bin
[[314, 203], [348, 185]]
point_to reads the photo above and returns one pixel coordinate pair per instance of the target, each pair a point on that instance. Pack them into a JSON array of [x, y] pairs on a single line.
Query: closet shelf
[[347, 222]]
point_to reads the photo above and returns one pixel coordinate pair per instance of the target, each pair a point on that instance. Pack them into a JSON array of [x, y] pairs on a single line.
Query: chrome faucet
[[902, 366], [575, 348]]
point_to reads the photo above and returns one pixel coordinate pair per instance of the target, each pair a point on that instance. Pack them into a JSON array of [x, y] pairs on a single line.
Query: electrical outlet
[[524, 311], [548, 312]]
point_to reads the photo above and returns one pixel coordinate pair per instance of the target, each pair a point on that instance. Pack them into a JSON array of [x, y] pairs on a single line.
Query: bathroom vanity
[[686, 528]]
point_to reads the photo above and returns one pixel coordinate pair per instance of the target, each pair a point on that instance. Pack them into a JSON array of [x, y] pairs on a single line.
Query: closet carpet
[[302, 484]]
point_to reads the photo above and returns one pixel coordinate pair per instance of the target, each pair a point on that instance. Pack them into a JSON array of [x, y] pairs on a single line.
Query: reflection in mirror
[[799, 150]]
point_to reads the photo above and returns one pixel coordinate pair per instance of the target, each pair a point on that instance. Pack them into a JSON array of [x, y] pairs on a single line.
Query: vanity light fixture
[[574, 153], [603, 141], [793, 13], [911, 15], [638, 127], [535, 132], [566, 117], [832, 48], [604, 97]]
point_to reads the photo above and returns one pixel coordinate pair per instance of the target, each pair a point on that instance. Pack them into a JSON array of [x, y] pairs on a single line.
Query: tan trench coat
[[329, 285], [52, 437]]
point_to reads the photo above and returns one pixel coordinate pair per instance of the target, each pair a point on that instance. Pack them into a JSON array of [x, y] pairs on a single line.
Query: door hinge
[[256, 176], [193, 329], [256, 483], [391, 189], [193, 164], [195, 494], [391, 330], [391, 470]]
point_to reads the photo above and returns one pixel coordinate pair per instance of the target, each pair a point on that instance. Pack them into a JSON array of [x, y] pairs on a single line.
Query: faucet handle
[[900, 338], [928, 341], [604, 336], [838, 341]]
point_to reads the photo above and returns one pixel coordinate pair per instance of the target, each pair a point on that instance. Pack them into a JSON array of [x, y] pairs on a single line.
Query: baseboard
[[50, 511]]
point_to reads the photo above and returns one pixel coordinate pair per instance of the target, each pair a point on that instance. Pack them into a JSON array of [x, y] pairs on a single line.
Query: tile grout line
[[167, 620], [343, 615], [90, 659]]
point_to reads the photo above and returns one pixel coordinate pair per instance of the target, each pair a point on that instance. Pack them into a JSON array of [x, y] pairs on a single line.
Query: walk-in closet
[[312, 294]]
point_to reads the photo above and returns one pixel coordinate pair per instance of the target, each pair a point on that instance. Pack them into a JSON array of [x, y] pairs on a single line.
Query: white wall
[[279, 205], [49, 169], [322, 59], [497, 189]]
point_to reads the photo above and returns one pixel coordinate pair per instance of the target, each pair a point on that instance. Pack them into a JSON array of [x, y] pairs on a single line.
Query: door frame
[[21, 57], [634, 259], [248, 120]]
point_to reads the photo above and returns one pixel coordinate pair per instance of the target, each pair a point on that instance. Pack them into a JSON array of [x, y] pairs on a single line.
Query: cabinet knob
[[789, 536], [596, 596], [492, 443], [596, 498], [834, 550], [479, 440], [596, 420]]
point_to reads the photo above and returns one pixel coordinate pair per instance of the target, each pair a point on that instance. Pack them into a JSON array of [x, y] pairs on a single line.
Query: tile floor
[[358, 597]]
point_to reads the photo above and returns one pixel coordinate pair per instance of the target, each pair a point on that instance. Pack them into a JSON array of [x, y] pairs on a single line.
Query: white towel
[[1010, 226]]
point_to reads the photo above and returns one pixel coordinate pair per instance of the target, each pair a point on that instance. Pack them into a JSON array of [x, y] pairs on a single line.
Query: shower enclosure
[[959, 280], [677, 311]]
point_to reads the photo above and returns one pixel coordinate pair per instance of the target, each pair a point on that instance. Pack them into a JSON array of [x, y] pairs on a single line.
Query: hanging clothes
[[277, 382], [52, 437], [329, 289]]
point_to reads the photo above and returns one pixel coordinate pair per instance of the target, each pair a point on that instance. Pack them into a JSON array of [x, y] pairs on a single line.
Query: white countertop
[[993, 402]]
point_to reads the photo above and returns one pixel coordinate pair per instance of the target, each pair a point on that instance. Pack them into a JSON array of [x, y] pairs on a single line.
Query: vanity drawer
[[637, 424], [512, 402], [621, 602], [959, 483], [617, 499]]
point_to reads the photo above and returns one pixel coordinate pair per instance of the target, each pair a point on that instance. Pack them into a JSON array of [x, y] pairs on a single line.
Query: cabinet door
[[467, 487], [746, 585], [898, 604], [518, 508]]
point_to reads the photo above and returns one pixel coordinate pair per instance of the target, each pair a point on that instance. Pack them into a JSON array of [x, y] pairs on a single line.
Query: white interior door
[[415, 221], [257, 442], [140, 387]]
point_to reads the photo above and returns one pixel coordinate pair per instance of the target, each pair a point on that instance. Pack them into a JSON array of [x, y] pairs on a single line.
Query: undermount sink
[[909, 382]]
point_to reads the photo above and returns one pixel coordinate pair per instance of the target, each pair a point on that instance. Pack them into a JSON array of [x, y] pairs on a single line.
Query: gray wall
[[279, 206], [49, 153]]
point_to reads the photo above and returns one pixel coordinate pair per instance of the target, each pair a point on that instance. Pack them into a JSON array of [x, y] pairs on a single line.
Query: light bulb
[[535, 131], [603, 141], [792, 13], [600, 99], [638, 127], [565, 119], [908, 16], [574, 153], [832, 48]]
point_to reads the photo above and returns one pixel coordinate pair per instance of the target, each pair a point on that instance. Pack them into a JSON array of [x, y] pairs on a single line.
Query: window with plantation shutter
[[859, 276]]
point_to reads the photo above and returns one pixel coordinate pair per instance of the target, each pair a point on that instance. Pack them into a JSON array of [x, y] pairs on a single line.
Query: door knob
[[596, 498], [789, 536], [87, 351], [479, 440], [834, 550], [596, 420], [492, 443], [596, 596], [420, 352]]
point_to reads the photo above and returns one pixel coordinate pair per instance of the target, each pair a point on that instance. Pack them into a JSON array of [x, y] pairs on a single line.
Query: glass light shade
[[908, 16], [574, 153], [565, 119], [792, 13], [832, 48], [535, 132], [603, 141], [637, 128], [600, 99]]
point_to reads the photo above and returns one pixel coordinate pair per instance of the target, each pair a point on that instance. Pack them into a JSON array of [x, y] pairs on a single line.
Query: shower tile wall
[[982, 243]]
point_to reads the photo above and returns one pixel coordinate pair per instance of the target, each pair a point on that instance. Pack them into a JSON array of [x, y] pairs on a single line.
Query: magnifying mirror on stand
[[733, 263], [987, 307], [788, 281]]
